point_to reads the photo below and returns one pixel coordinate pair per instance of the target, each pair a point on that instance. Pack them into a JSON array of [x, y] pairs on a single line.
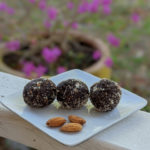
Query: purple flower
[[74, 25], [48, 55], [106, 9], [47, 24], [3, 6], [70, 5], [32, 1], [56, 51], [51, 55], [94, 6], [108, 62], [28, 68], [96, 55], [106, 2], [10, 10], [40, 70], [42, 4], [61, 69], [52, 13], [13, 45], [65, 23], [83, 7], [113, 40], [135, 17]]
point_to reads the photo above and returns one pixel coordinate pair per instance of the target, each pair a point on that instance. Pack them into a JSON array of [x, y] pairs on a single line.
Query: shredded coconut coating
[[105, 95], [39, 92], [72, 94]]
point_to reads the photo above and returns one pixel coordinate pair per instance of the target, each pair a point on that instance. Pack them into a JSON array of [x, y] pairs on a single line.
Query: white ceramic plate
[[96, 121]]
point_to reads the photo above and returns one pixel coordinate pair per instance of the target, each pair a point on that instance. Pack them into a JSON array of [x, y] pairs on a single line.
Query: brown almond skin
[[71, 127], [76, 119], [56, 122]]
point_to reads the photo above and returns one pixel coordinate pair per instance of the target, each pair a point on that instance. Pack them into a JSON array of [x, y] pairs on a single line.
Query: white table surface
[[130, 133]]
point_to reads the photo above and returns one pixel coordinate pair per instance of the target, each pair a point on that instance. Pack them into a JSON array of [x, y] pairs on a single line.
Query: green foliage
[[146, 108]]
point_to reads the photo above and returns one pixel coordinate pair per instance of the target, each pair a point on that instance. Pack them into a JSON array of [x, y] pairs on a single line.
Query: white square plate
[[96, 121]]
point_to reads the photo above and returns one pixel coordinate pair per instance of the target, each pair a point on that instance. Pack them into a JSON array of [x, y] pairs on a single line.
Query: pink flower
[[48, 55], [28, 68], [51, 55], [74, 25], [3, 6], [106, 2], [94, 6], [52, 13], [42, 4], [135, 17], [56, 51], [10, 10], [65, 23], [83, 7], [40, 70], [96, 55], [70, 5], [113, 40], [32, 1], [61, 69], [108, 62], [106, 9], [47, 24], [13, 45]]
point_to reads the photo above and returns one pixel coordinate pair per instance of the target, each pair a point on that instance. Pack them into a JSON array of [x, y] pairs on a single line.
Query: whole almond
[[56, 122], [71, 127], [76, 119]]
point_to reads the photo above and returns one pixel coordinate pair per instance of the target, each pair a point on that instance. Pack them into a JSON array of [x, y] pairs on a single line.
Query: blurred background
[[45, 38]]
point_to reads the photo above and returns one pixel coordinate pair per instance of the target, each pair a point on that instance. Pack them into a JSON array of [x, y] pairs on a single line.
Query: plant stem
[[65, 34]]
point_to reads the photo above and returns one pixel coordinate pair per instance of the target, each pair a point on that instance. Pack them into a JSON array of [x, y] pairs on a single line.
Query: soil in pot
[[78, 55]]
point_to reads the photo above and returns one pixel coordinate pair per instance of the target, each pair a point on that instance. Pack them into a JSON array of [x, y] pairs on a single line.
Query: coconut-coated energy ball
[[72, 94], [105, 95], [39, 92]]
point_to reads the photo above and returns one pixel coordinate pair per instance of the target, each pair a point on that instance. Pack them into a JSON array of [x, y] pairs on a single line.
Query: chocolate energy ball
[[105, 95], [39, 92], [72, 94]]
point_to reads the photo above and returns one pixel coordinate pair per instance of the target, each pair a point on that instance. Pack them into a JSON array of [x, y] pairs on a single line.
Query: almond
[[71, 127], [56, 122], [76, 119]]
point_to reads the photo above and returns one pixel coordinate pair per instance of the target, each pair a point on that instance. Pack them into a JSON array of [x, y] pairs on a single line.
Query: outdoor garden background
[[124, 26]]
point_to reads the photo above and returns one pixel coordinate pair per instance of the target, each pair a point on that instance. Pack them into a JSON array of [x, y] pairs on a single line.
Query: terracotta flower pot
[[99, 68]]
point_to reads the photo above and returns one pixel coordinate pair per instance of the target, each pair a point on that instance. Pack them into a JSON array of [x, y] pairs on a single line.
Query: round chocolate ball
[[72, 94], [39, 92], [105, 95]]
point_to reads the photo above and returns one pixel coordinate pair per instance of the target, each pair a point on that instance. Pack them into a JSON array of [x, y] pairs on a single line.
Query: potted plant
[[60, 46]]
